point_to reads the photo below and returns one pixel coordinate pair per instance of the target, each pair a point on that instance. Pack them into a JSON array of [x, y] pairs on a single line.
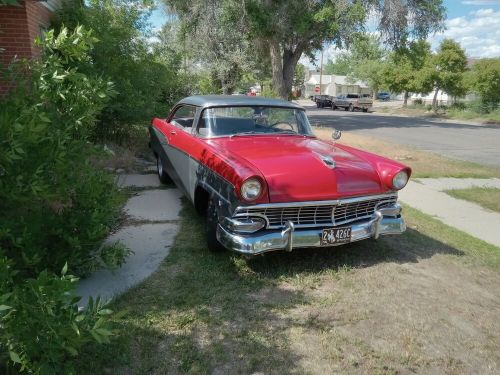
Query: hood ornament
[[336, 134]]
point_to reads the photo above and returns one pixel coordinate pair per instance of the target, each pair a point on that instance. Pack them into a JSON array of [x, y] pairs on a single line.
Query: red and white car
[[265, 182]]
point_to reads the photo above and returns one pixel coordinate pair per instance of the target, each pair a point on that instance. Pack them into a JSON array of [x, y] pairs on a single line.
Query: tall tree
[[404, 71], [367, 61], [485, 81], [214, 33], [445, 70], [365, 47], [292, 28]]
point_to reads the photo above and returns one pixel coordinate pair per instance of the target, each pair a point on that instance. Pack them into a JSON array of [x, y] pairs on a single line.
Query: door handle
[[173, 132]]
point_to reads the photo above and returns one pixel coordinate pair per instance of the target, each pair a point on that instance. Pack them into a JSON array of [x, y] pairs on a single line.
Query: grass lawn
[[424, 164], [488, 198], [451, 113], [424, 302]]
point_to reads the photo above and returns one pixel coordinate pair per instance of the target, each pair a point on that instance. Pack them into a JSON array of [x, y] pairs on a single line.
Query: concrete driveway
[[475, 143]]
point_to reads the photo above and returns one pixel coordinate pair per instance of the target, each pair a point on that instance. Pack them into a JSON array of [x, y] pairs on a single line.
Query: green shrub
[[55, 207], [146, 79], [418, 102], [42, 328], [459, 106]]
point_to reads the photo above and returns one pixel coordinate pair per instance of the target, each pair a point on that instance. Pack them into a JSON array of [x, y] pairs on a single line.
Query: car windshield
[[244, 120]]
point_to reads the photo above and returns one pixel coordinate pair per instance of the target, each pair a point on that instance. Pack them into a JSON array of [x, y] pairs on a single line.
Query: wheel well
[[201, 198]]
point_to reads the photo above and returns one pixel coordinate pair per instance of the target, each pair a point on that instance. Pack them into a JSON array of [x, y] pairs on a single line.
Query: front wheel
[[365, 109], [162, 174], [213, 243]]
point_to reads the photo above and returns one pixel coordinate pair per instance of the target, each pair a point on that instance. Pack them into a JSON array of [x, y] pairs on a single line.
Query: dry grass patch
[[424, 302], [423, 164]]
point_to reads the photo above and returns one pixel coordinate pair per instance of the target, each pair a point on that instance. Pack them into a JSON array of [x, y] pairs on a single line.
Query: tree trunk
[[434, 100], [405, 102], [283, 65]]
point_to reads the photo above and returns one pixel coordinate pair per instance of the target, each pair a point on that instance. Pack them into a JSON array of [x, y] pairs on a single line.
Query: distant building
[[333, 85], [19, 26]]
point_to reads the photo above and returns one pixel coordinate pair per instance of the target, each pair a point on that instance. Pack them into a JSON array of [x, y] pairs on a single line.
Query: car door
[[180, 139]]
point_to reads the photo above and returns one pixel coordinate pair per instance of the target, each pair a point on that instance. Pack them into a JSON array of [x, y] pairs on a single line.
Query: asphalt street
[[475, 143]]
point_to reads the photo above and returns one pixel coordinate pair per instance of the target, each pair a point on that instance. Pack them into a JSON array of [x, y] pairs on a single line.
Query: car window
[[353, 95], [183, 117], [222, 121]]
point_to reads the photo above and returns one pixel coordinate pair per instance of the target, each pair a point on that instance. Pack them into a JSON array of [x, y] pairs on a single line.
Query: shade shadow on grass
[[202, 313]]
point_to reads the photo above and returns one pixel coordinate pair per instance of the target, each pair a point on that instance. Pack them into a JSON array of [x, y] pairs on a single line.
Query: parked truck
[[350, 102]]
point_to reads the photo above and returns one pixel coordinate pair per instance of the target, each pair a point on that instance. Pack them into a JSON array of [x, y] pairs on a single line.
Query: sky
[[475, 24]]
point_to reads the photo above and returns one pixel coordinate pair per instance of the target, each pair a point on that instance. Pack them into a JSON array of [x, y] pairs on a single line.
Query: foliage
[[485, 82], [304, 26], [145, 76], [55, 207], [215, 37], [404, 71], [9, 2], [42, 328], [367, 61], [451, 63], [341, 66]]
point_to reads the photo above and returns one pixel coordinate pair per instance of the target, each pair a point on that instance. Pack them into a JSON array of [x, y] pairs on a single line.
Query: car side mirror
[[336, 134]]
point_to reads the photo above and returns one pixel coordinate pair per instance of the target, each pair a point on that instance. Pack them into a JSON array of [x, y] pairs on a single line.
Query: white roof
[[329, 78]]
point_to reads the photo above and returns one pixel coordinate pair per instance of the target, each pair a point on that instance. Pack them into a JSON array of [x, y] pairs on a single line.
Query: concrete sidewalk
[[153, 222], [427, 195]]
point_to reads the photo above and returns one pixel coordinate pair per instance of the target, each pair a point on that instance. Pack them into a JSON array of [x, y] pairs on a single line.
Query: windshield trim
[[196, 132]]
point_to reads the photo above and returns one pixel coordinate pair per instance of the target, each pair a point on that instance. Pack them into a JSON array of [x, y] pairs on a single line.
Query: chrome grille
[[312, 214]]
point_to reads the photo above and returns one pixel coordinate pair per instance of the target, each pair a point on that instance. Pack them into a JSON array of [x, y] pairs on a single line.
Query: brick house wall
[[19, 26]]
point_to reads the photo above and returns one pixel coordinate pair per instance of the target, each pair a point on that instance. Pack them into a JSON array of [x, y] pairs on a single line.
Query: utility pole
[[321, 73]]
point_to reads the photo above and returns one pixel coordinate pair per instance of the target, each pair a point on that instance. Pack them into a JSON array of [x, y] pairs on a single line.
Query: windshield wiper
[[245, 133]]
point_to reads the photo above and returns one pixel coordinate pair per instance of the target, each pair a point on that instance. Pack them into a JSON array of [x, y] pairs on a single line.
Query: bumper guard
[[387, 220]]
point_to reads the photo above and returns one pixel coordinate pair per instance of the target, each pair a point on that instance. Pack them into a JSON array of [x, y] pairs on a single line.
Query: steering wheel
[[282, 123]]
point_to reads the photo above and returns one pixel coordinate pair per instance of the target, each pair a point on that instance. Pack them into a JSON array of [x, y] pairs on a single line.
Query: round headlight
[[250, 190], [399, 180]]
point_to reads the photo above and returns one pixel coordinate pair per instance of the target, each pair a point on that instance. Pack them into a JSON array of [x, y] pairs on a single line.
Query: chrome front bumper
[[384, 221]]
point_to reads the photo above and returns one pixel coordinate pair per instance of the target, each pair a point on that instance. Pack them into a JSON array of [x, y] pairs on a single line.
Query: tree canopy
[[288, 29]]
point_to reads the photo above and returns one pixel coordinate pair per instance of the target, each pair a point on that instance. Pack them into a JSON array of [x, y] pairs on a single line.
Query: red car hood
[[295, 169]]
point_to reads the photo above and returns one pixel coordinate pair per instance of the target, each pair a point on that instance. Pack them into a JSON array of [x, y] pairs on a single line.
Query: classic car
[[350, 102], [265, 182]]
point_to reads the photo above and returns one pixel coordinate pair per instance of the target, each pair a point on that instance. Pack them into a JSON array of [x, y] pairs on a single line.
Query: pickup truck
[[350, 102]]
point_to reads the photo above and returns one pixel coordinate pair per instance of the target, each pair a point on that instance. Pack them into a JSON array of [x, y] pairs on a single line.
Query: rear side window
[[184, 117], [353, 95]]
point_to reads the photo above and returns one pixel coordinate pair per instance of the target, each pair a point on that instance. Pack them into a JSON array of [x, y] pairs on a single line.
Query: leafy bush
[[459, 106], [146, 79], [55, 207], [42, 327], [418, 102]]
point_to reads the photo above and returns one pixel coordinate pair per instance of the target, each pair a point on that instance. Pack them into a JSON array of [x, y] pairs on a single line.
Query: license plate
[[335, 236]]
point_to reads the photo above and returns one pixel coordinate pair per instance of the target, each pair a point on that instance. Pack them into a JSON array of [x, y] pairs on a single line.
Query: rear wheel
[[365, 109], [346, 108], [162, 174], [213, 243]]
